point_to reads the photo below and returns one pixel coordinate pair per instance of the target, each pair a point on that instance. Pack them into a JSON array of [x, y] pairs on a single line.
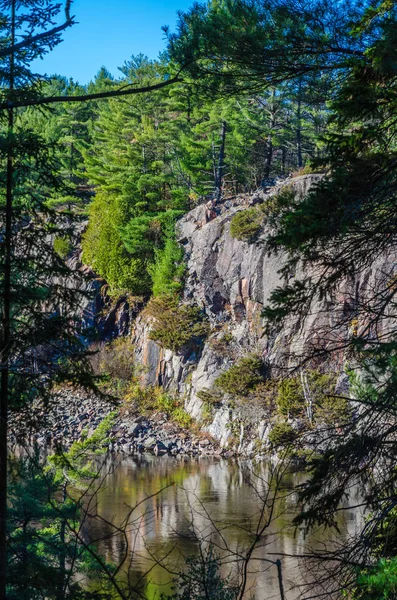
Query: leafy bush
[[377, 582], [212, 397], [242, 377], [180, 416], [221, 345], [308, 169], [263, 395], [151, 239], [279, 203], [104, 250], [62, 246], [144, 234], [246, 224], [176, 326], [282, 434]]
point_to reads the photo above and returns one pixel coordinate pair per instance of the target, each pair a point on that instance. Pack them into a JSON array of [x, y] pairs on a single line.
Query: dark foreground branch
[[86, 97]]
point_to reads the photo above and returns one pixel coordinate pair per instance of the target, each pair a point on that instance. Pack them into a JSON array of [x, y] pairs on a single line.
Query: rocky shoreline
[[74, 413]]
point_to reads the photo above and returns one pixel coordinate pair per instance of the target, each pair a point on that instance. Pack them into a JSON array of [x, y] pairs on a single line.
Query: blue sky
[[108, 33]]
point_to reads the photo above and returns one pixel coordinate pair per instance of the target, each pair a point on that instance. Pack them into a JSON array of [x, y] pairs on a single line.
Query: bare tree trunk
[[269, 142], [308, 397], [280, 579], [299, 126], [269, 156], [219, 172], [62, 557], [283, 159], [6, 326]]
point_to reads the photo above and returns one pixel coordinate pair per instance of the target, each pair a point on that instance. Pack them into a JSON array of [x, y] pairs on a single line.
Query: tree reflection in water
[[212, 500]]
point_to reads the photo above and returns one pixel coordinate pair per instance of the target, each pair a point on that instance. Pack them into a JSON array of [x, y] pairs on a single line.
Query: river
[[179, 501]]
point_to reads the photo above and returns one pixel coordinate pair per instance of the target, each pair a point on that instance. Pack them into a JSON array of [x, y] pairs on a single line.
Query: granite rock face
[[231, 281]]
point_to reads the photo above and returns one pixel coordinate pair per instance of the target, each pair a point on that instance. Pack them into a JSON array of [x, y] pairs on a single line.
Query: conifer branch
[[40, 37], [86, 97]]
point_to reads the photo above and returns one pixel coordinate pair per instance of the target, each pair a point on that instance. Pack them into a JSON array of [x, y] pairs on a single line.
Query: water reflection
[[178, 501]]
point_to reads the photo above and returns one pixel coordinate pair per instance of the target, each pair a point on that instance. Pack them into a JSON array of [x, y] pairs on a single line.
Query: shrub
[[246, 224], [154, 399], [290, 400], [242, 377], [279, 203], [62, 246], [212, 397], [282, 434], [115, 363], [176, 326], [222, 345], [263, 395], [333, 410], [180, 416], [168, 269], [104, 251], [308, 169], [144, 398]]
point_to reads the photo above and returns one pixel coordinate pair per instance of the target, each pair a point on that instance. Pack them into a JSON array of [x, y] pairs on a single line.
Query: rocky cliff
[[231, 280]]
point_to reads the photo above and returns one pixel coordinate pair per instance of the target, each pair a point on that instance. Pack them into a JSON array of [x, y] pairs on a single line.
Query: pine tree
[[132, 166], [248, 45], [334, 236]]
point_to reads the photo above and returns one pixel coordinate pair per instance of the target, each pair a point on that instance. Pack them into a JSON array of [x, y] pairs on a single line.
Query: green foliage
[[168, 269], [308, 169], [77, 464], [282, 435], [239, 33], [47, 555], [104, 250], [279, 203], [176, 326], [212, 397], [290, 398], [379, 581], [246, 224], [62, 246], [334, 410], [153, 399], [242, 377], [326, 406], [180, 416], [202, 580]]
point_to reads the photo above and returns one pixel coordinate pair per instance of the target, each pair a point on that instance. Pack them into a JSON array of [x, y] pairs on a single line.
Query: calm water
[[178, 501]]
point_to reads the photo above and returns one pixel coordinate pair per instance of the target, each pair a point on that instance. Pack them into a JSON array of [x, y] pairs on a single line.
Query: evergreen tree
[[248, 45], [131, 165], [336, 233]]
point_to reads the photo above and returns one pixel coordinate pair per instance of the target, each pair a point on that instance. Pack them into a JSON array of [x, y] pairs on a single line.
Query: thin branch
[[28, 41], [87, 97]]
